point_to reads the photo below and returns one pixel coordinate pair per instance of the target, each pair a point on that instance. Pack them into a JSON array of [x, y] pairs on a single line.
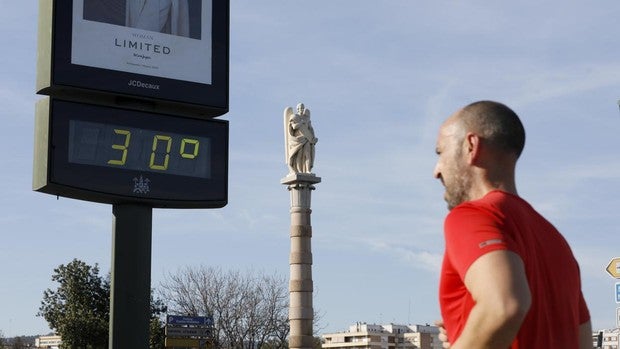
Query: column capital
[[293, 179]]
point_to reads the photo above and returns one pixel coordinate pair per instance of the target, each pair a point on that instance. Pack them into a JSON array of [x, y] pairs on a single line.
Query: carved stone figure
[[299, 139]]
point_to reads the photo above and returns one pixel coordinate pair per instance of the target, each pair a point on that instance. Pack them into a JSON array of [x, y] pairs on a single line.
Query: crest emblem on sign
[[141, 185]]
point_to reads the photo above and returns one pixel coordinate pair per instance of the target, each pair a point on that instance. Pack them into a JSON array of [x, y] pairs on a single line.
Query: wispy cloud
[[416, 259]]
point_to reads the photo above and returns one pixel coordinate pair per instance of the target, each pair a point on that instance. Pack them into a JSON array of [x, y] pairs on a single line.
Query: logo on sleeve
[[490, 242]]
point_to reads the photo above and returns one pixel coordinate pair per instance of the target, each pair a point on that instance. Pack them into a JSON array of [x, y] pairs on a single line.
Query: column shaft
[[301, 312]]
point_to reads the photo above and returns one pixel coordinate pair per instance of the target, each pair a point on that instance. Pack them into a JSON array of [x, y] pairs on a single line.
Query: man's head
[[478, 147], [300, 108], [497, 124]]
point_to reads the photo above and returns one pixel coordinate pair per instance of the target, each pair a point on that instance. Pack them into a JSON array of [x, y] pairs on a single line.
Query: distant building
[[51, 342], [610, 339], [371, 336]]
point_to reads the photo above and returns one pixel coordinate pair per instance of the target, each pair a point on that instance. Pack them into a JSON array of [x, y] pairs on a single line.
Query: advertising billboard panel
[[167, 55]]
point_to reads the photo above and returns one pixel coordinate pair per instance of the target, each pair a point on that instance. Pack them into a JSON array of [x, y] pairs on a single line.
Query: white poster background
[[120, 48]]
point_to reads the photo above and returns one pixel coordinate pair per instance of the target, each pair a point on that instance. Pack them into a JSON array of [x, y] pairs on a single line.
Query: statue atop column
[[299, 139]]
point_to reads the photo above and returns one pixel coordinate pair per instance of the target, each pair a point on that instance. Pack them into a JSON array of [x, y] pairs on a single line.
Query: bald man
[[508, 278]]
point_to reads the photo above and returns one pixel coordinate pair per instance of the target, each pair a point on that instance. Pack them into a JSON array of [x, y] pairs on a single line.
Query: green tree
[[158, 338], [157, 326], [78, 310]]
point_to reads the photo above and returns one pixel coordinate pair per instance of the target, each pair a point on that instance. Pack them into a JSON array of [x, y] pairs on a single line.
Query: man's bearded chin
[[458, 193]]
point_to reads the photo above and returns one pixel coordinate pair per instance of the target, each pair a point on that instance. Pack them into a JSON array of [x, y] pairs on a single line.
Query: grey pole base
[[130, 294]]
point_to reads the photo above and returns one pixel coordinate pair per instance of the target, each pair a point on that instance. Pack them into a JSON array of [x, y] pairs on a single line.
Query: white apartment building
[[610, 339], [372, 336], [49, 342]]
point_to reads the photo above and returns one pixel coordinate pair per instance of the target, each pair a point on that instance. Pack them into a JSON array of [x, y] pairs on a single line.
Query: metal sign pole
[[131, 277]]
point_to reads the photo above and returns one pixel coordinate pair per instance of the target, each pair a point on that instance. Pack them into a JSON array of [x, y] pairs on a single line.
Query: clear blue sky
[[379, 78]]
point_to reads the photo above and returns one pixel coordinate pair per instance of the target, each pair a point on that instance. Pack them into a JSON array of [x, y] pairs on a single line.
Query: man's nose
[[437, 172]]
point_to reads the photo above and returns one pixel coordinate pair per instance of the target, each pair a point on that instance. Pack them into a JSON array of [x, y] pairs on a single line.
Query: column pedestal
[[301, 312]]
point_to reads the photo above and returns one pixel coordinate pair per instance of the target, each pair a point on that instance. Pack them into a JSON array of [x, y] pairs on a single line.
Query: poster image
[[163, 38]]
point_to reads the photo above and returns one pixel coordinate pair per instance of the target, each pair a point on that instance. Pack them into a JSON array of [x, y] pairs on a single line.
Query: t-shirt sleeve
[[471, 232]]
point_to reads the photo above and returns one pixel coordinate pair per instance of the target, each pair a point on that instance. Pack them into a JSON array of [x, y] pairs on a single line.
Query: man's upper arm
[[498, 284], [585, 335], [498, 276]]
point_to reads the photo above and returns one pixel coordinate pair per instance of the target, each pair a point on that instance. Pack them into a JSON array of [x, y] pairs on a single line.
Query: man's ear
[[473, 147]]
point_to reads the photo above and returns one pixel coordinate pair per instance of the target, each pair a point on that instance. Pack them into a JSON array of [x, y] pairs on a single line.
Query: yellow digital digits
[[122, 147], [156, 140], [194, 153], [188, 149]]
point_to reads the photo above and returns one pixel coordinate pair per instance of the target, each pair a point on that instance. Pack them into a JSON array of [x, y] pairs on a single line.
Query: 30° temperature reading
[[138, 149]]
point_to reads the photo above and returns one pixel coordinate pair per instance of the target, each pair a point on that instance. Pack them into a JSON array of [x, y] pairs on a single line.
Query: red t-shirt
[[502, 221]]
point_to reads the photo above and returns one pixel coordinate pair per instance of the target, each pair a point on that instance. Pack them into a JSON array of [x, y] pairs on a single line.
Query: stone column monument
[[299, 148]]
